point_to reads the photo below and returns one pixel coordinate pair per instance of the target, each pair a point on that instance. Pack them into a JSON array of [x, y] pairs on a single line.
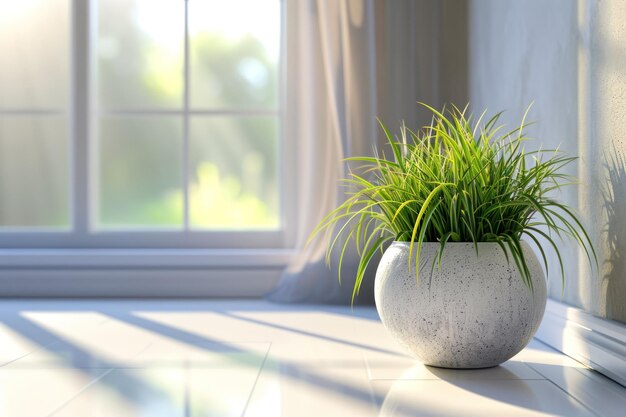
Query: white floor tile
[[14, 346], [405, 368], [208, 354], [167, 392], [288, 390], [480, 398], [109, 344], [39, 392], [132, 358], [538, 353], [596, 392]]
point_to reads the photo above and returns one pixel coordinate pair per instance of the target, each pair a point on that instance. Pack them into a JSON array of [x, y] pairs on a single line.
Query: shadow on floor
[[135, 390]]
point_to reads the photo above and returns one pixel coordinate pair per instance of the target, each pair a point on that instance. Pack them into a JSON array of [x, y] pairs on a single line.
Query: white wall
[[569, 58], [603, 133]]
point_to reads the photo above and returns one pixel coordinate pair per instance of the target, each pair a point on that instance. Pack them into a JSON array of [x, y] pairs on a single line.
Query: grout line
[[592, 374], [186, 390], [554, 350], [565, 392], [83, 389], [374, 398], [37, 349], [40, 347], [366, 364], [54, 365], [256, 380]]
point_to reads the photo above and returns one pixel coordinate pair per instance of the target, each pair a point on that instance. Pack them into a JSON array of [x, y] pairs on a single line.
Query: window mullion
[[79, 119], [185, 152]]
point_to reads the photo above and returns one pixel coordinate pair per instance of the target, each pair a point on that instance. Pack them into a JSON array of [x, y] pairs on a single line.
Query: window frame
[[81, 119]]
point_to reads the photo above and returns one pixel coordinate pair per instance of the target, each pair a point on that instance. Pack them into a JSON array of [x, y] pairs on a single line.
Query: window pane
[[140, 53], [34, 43], [233, 181], [140, 172], [33, 172], [234, 54]]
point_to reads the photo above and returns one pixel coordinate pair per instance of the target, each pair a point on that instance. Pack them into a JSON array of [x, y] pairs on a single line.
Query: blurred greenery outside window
[[185, 114]]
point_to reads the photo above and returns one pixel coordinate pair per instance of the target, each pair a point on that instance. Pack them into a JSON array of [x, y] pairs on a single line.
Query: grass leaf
[[455, 180]]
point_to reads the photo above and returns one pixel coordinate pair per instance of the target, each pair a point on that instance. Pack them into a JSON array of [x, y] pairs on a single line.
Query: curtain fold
[[339, 52]]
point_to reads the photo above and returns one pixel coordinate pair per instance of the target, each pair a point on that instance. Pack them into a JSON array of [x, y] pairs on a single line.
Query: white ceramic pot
[[474, 311]]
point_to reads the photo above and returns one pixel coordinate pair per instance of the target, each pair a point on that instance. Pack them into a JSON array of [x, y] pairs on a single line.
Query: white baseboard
[[140, 273], [138, 283], [596, 342]]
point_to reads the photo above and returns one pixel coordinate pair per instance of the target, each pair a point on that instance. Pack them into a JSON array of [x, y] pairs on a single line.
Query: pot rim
[[405, 243]]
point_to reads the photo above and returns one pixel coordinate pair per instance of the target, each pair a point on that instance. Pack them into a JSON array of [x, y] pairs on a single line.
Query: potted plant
[[455, 210]]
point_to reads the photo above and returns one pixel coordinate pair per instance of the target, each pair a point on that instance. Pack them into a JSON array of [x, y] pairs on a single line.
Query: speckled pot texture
[[474, 311]]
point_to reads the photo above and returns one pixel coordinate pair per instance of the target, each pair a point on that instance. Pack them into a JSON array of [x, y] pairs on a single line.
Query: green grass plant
[[459, 179]]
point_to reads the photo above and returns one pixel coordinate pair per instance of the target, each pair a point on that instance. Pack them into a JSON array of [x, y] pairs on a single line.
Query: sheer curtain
[[343, 75]]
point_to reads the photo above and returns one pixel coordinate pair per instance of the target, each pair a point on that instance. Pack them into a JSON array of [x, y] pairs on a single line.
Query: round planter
[[474, 311]]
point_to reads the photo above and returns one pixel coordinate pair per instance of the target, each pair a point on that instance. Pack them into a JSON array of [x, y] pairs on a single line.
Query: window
[[141, 123], [34, 106]]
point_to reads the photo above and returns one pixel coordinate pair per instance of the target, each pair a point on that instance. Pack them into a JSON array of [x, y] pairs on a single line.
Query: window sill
[[140, 272], [143, 258]]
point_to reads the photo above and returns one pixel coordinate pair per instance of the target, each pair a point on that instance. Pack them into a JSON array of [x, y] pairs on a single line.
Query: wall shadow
[[614, 232]]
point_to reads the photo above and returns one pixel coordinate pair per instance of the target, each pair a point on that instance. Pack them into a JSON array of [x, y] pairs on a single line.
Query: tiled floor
[[252, 358]]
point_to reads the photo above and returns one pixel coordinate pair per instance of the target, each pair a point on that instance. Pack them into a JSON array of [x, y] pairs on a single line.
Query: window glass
[[181, 113], [33, 172], [140, 173], [234, 55], [34, 40], [234, 179], [34, 136], [140, 53]]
